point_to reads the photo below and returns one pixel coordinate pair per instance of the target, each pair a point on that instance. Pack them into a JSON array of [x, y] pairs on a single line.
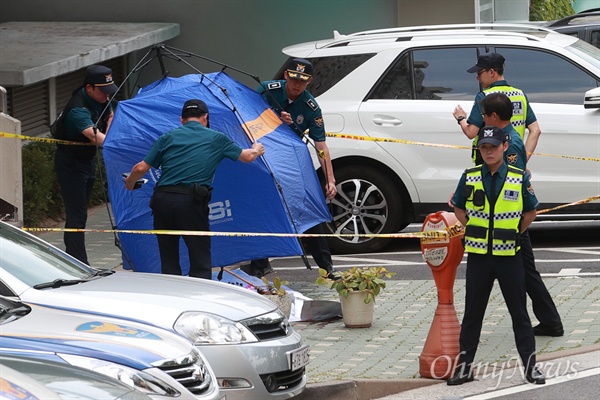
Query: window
[[536, 72], [437, 74], [327, 71]]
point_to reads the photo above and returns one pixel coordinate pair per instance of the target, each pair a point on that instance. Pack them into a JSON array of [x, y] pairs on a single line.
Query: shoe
[[259, 273], [536, 376], [460, 376], [543, 330], [265, 271], [332, 273]]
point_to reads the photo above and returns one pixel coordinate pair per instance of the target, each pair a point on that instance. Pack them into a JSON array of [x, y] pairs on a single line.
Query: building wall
[[434, 12], [246, 34]]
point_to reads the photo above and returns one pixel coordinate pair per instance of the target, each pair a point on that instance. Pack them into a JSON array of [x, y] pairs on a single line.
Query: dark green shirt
[[305, 111], [190, 154]]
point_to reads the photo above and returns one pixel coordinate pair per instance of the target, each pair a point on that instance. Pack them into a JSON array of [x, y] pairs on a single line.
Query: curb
[[367, 389]]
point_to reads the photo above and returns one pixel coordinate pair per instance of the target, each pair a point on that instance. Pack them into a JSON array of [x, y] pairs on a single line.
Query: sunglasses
[[481, 71]]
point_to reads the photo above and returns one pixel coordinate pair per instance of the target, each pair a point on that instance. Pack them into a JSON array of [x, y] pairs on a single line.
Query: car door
[[413, 102], [555, 86]]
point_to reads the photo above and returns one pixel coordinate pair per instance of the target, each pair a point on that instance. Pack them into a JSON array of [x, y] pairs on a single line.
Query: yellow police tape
[[450, 232], [39, 139], [321, 153], [448, 146]]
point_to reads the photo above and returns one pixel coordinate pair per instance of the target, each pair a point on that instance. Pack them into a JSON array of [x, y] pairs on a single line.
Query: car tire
[[367, 202]]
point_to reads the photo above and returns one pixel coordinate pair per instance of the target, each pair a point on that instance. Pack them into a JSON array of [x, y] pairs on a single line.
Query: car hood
[[112, 339], [154, 298]]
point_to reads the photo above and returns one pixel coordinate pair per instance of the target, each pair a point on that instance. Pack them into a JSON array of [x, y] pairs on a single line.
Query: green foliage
[[41, 192], [357, 279], [272, 288], [548, 10]]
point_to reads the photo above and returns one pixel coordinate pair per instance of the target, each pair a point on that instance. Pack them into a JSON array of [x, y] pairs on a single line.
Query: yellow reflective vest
[[519, 117], [502, 220]]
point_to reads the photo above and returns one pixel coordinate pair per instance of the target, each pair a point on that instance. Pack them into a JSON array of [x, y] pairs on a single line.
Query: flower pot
[[355, 313], [284, 302]]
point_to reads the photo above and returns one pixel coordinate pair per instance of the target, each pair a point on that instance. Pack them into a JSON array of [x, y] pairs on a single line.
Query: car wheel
[[366, 203]]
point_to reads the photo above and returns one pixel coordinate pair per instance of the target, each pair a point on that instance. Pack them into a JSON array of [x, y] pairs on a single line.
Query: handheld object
[[138, 183]]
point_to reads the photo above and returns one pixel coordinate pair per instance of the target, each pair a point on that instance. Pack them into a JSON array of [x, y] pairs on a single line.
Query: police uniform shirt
[[305, 111], [80, 118], [476, 119], [190, 154], [530, 201], [515, 155]]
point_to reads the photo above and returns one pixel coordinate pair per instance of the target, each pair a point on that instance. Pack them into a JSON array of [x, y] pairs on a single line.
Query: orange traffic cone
[[443, 255]]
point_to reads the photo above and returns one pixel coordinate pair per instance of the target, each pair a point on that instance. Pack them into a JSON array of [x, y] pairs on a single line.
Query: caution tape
[[447, 146], [576, 203], [39, 139], [452, 231]]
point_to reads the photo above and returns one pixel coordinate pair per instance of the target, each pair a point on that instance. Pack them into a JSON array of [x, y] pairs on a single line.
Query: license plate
[[299, 358]]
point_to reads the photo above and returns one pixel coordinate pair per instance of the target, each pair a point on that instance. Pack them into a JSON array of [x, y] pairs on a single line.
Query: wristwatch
[[460, 118]]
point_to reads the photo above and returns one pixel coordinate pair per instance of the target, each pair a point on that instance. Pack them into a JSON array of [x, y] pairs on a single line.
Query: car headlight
[[202, 328], [139, 380]]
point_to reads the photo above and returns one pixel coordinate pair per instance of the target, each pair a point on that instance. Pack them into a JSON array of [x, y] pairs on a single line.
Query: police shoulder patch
[[311, 103], [512, 158], [319, 121], [274, 85], [530, 190]]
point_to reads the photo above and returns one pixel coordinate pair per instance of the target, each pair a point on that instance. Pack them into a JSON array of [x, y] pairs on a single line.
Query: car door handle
[[385, 121]]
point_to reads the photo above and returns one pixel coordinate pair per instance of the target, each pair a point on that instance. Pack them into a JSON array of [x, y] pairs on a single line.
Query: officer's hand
[[286, 117], [260, 149], [330, 190]]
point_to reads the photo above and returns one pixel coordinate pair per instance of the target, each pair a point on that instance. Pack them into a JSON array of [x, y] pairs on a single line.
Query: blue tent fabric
[[245, 196]]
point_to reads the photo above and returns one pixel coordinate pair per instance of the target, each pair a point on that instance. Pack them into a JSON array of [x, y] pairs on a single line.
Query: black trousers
[[76, 178], [541, 301], [317, 247], [177, 211], [482, 270]]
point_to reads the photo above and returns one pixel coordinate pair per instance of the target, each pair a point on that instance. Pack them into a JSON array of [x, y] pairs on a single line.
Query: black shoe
[[265, 271], [543, 330], [259, 273], [536, 376], [460, 376], [332, 273]]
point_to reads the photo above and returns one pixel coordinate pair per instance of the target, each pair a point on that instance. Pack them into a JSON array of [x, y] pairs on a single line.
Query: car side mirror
[[592, 98]]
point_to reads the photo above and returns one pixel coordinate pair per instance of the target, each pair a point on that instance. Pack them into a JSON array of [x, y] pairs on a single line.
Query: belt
[[181, 189]]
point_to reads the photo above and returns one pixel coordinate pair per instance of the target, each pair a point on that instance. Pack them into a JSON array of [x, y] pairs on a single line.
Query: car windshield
[[33, 262]]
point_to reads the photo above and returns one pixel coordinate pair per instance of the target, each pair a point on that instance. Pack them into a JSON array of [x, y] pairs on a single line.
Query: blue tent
[[245, 196]]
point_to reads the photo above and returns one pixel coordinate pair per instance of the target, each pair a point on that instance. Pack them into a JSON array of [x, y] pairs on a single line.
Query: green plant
[[547, 10], [41, 191], [369, 279], [272, 288]]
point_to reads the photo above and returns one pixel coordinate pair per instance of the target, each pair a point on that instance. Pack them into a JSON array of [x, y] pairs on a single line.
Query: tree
[[548, 10]]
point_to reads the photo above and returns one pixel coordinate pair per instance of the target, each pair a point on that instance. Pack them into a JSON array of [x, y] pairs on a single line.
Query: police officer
[[85, 120], [497, 110], [298, 108], [495, 202], [490, 74], [188, 157]]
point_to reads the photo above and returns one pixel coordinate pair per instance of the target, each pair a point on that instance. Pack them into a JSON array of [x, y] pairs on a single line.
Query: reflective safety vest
[[519, 116], [502, 220]]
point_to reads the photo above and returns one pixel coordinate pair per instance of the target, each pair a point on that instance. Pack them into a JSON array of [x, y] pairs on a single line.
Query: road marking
[[569, 271], [528, 386]]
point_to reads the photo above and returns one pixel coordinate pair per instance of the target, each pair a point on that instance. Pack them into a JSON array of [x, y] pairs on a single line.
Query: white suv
[[403, 84]]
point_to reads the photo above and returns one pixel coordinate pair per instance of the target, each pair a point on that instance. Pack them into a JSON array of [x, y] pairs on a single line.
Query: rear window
[[327, 71]]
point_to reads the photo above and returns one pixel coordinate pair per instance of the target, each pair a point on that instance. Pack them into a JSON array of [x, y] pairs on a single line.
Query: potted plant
[[357, 288], [277, 294]]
